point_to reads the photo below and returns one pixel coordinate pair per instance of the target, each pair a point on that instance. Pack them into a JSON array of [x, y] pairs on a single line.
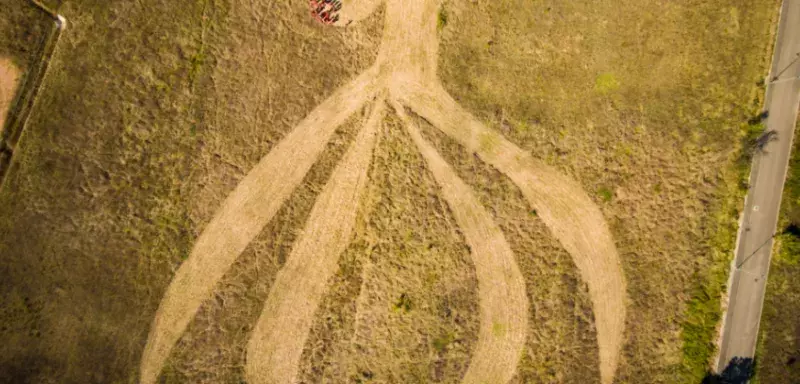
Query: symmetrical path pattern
[[403, 77]]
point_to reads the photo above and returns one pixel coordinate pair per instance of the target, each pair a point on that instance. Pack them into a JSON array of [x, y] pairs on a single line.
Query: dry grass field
[[645, 103], [153, 113]]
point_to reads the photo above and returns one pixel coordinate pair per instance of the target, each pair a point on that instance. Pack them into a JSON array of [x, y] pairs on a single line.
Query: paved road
[[762, 204]]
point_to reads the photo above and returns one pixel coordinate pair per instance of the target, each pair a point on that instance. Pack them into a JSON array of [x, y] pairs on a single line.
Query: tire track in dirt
[[501, 287], [276, 345], [242, 216], [571, 215]]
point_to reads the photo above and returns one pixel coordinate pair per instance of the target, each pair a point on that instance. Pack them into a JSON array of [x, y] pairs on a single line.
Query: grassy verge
[[703, 313], [778, 353]]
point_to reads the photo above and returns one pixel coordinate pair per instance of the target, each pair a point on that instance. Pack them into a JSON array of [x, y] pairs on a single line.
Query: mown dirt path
[[242, 216], [571, 215], [276, 345], [9, 79], [406, 69], [501, 288]]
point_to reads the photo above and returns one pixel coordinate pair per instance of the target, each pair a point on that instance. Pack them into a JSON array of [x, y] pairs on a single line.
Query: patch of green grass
[[488, 141], [703, 315], [703, 312], [606, 83], [499, 329], [403, 304], [605, 194], [440, 343], [196, 62], [441, 18]]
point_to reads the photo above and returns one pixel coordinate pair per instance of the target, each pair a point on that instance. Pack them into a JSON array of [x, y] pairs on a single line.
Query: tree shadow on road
[[739, 371]]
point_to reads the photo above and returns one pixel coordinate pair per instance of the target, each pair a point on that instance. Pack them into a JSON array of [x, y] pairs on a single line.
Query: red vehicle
[[325, 11]]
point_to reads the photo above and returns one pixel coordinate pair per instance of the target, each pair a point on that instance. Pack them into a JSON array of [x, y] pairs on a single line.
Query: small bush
[[403, 304], [441, 20], [440, 343], [605, 193]]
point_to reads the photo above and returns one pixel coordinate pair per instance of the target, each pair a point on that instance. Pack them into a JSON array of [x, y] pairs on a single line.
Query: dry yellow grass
[[178, 102], [243, 215], [501, 288], [403, 305], [643, 103], [278, 338], [571, 215], [405, 69]]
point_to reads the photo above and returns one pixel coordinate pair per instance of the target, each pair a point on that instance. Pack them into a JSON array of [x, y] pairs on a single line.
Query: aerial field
[[422, 191]]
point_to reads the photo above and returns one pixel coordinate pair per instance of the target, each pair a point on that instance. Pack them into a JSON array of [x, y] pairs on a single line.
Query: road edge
[[718, 366]]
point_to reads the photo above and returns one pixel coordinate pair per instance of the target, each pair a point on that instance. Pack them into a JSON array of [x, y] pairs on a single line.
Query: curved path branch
[[571, 215], [243, 214], [276, 345], [501, 287], [406, 69]]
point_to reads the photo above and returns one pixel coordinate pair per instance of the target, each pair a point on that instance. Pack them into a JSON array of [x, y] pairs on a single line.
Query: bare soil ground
[[9, 80], [155, 113]]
